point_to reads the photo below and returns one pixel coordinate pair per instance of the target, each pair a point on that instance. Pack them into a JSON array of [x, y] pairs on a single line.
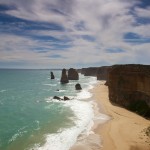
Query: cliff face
[[102, 73], [83, 70], [79, 70], [91, 71], [129, 86]]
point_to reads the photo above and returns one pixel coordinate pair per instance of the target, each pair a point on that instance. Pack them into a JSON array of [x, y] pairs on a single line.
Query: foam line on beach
[[83, 123]]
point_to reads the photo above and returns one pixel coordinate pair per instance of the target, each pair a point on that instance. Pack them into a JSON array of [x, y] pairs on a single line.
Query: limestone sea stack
[[78, 86], [73, 74], [52, 75], [64, 77]]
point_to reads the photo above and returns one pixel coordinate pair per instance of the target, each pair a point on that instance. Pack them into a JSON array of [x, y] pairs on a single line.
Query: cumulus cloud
[[91, 28]]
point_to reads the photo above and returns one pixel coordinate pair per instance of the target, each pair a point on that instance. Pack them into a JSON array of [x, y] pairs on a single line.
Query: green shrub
[[147, 132]]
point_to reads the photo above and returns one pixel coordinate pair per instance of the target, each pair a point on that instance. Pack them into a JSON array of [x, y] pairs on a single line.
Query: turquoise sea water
[[31, 119]]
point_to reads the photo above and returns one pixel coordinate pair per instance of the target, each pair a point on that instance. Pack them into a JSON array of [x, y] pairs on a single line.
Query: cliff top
[[131, 68]]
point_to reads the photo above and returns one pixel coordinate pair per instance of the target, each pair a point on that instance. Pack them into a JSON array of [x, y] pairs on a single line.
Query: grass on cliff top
[[147, 132], [146, 135]]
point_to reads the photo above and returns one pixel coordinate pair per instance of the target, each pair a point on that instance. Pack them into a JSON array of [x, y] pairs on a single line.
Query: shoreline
[[92, 141], [124, 130]]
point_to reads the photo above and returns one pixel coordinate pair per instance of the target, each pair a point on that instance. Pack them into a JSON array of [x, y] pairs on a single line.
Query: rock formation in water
[[56, 97], [73, 74], [129, 86], [64, 77], [66, 98], [52, 75], [60, 99], [78, 86]]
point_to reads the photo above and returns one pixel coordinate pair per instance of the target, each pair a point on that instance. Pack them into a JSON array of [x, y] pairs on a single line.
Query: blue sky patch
[[88, 38], [6, 7], [114, 50], [142, 20], [55, 56], [135, 38], [144, 3], [131, 35]]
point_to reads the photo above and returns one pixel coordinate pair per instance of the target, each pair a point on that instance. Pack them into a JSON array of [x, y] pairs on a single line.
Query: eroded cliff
[[129, 86], [91, 71], [102, 72]]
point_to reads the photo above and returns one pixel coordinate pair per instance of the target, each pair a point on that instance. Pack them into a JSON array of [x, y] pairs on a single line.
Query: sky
[[73, 33]]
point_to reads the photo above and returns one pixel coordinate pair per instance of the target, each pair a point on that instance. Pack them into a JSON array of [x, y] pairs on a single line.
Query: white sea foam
[[37, 125], [64, 139], [46, 89], [71, 83], [1, 91], [60, 91], [90, 87], [50, 84], [93, 81], [19, 133], [14, 137], [84, 94], [102, 118]]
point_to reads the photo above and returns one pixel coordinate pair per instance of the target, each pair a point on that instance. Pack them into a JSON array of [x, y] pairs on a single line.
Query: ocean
[[30, 119]]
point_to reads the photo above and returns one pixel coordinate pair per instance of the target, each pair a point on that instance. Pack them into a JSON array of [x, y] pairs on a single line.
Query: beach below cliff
[[124, 130]]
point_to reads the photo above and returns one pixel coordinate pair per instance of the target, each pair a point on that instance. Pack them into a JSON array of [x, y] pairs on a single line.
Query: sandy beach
[[124, 131]]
